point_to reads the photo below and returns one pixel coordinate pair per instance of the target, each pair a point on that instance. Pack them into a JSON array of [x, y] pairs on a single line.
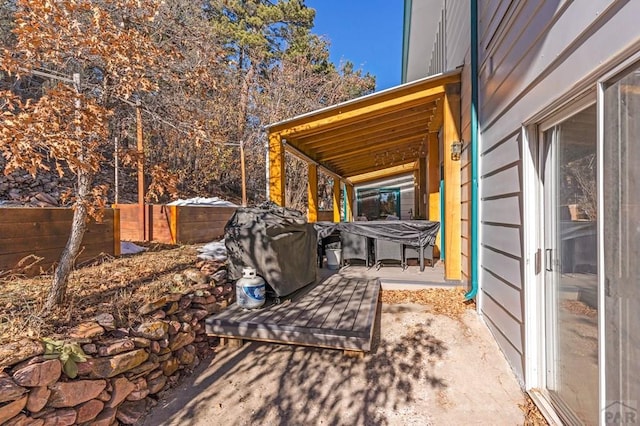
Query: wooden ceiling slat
[[370, 126], [381, 133], [381, 159], [399, 135], [411, 139]]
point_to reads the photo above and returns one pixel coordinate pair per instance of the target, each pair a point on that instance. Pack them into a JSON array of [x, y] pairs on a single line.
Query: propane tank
[[250, 289]]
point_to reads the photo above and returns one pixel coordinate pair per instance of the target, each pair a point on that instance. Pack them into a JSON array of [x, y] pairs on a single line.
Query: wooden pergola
[[405, 129]]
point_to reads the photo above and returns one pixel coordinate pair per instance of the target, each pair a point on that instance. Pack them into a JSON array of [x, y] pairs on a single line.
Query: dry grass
[[532, 415], [442, 301], [117, 286]]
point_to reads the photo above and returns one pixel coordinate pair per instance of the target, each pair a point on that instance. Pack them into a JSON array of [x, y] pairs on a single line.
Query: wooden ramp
[[337, 313]]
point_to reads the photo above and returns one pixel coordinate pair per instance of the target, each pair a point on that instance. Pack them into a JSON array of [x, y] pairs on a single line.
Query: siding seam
[[501, 169], [501, 196], [502, 280], [504, 253], [504, 140]]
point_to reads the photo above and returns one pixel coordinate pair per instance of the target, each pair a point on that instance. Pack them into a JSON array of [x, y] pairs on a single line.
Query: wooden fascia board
[[369, 110]]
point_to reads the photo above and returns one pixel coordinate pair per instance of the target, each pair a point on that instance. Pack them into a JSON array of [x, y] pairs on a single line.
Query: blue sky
[[365, 32]]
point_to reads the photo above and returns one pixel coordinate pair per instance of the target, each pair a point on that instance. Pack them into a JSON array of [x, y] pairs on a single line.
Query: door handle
[[547, 260]]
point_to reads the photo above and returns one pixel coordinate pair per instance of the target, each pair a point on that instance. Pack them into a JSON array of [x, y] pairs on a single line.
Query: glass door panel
[[571, 266], [621, 209]]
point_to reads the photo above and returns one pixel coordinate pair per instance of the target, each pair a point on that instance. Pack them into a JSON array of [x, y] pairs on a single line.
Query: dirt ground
[[425, 369]]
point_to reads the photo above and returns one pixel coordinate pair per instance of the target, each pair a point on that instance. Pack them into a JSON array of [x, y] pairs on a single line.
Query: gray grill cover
[[277, 242]]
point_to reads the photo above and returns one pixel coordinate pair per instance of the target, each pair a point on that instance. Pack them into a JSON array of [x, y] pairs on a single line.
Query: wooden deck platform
[[337, 313]]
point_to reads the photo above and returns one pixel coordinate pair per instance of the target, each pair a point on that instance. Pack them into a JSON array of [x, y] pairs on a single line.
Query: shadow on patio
[[414, 375], [306, 385]]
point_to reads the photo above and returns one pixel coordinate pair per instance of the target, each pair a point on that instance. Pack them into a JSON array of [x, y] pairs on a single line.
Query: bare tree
[[94, 54]]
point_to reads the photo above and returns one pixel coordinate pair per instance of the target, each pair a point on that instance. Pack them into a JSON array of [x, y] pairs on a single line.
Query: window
[[378, 203]]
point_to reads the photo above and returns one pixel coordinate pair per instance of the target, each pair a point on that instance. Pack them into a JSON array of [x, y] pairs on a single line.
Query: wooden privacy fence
[[173, 224], [29, 234]]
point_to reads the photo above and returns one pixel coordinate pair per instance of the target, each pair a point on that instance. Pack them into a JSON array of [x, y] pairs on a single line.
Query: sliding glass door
[[621, 211], [570, 266]]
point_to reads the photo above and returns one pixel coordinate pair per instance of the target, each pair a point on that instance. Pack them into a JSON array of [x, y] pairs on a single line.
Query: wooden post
[[336, 199], [116, 161], [452, 209], [422, 185], [432, 208], [312, 193], [173, 223], [433, 164], [244, 175], [143, 232], [116, 232], [350, 200], [276, 169]]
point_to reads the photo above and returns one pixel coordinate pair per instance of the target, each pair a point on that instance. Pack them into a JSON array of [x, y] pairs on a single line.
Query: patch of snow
[[203, 201], [127, 247], [215, 250]]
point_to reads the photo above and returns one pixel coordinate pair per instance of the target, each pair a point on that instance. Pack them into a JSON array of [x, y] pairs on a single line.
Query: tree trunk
[[58, 289]]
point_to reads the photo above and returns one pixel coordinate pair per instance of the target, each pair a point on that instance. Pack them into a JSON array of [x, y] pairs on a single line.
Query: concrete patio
[[423, 369]]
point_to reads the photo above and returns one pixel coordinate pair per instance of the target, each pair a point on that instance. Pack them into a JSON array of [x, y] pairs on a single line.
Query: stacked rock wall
[[126, 369]]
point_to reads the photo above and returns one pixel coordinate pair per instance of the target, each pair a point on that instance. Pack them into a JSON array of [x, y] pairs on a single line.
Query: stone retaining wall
[[126, 369]]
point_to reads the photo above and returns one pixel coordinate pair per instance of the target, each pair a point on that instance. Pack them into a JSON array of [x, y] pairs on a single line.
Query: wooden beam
[[336, 200], [312, 193], [436, 122], [383, 173], [276, 169], [452, 208]]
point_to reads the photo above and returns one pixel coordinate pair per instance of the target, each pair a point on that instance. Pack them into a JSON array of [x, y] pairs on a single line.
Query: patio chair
[[354, 247], [410, 252], [389, 253]]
